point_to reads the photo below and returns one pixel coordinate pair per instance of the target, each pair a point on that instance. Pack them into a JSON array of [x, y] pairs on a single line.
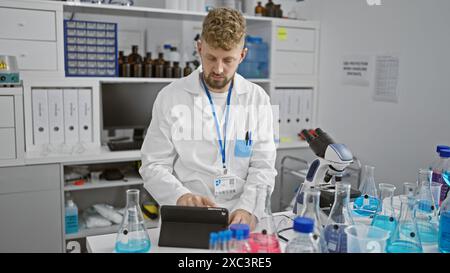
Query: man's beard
[[214, 84]]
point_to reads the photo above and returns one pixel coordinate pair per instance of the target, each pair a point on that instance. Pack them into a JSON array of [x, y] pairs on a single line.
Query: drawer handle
[[23, 55], [21, 24]]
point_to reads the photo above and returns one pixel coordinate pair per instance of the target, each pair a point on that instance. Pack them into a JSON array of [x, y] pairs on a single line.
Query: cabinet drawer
[[27, 24], [7, 144], [29, 178], [6, 111], [31, 55], [293, 63], [297, 39]]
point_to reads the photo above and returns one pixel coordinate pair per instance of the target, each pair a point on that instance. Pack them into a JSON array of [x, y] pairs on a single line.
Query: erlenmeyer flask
[[385, 217], [264, 238], [405, 238], [339, 218], [409, 189], [132, 236], [311, 209], [425, 207], [367, 203]]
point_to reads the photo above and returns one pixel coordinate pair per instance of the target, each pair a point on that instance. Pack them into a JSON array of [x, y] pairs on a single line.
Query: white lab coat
[[173, 165]]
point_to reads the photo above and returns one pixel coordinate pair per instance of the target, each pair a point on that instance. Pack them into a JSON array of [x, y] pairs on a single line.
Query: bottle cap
[[441, 147], [241, 227], [303, 224], [445, 153]]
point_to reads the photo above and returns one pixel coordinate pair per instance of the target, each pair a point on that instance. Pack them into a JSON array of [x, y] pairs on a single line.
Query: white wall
[[396, 138]]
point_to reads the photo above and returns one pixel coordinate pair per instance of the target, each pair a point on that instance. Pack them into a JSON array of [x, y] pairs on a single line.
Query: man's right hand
[[192, 200]]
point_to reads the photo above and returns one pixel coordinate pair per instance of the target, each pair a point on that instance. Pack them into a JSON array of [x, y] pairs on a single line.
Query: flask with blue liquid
[[385, 217], [132, 236], [444, 226], [368, 203], [425, 209]]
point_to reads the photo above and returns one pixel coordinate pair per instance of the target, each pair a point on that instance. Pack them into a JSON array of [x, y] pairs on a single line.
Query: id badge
[[225, 186]]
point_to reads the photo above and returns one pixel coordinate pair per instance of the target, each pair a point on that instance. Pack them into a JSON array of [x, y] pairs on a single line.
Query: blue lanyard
[[222, 144]]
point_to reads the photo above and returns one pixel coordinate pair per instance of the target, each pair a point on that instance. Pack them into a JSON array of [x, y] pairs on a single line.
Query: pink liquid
[[263, 243]]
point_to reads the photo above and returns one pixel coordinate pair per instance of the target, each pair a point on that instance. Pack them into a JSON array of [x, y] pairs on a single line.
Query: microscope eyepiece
[[305, 133]]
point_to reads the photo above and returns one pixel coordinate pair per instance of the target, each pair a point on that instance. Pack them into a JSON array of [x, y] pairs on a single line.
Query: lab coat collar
[[192, 83]]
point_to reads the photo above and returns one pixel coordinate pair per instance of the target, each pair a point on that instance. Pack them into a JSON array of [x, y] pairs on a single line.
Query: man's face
[[220, 65]]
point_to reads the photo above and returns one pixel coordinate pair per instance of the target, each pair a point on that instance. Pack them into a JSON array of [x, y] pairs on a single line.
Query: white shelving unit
[[127, 181]]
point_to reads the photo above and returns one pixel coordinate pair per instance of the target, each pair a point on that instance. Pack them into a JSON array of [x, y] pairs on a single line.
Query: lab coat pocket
[[242, 149]]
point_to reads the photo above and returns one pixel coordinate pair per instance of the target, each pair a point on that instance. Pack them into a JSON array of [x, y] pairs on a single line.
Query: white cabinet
[[31, 55], [6, 111], [294, 39], [11, 126], [7, 143], [27, 24]]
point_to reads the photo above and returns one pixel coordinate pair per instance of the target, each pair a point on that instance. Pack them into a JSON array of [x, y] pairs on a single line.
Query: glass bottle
[[264, 238], [444, 226], [176, 70], [339, 218], [159, 66], [278, 12], [367, 203], [120, 63], [385, 216], [270, 9], [259, 10], [126, 67], [187, 70], [135, 61], [148, 66], [167, 70], [425, 209], [304, 241], [132, 236], [405, 238]]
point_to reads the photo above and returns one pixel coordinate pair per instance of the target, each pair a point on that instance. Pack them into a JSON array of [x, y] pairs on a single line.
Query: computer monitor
[[128, 106]]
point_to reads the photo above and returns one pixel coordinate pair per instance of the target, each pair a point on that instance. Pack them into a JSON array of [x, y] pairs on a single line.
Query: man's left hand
[[241, 216]]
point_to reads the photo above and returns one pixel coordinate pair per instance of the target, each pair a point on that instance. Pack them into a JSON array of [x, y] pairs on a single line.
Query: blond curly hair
[[224, 28]]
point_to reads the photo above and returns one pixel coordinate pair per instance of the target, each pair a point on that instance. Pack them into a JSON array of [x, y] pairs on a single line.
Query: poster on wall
[[386, 78], [356, 70]]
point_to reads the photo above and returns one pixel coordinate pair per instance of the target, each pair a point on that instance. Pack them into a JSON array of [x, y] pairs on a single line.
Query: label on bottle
[[71, 224], [444, 232], [335, 238], [439, 178]]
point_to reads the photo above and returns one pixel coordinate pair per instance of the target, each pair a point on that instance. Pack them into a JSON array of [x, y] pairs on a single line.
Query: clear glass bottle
[[339, 218], [385, 217], [425, 209], [405, 238], [305, 240], [367, 203], [264, 238], [132, 236], [444, 226]]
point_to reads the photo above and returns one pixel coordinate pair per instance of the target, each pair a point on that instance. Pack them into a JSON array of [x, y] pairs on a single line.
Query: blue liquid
[[366, 206], [446, 176], [335, 238], [426, 206], [71, 224], [133, 246], [403, 247], [444, 233], [385, 222]]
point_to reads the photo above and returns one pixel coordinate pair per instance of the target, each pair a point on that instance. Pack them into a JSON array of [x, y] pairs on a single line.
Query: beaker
[[264, 238], [405, 238], [425, 209], [366, 239], [132, 236], [338, 220], [385, 216], [367, 203]]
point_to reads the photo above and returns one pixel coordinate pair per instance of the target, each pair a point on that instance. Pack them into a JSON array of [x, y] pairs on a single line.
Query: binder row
[[62, 116], [295, 110]]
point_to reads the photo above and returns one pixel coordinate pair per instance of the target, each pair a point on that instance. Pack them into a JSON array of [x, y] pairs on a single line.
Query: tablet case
[[190, 227]]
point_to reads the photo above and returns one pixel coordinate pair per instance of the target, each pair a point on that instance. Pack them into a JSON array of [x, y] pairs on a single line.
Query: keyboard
[[125, 145]]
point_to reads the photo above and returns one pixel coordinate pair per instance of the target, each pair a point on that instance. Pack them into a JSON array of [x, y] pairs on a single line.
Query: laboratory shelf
[[128, 181], [105, 230], [294, 144], [154, 80]]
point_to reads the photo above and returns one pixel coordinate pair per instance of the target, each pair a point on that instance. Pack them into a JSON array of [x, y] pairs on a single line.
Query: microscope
[[332, 160]]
